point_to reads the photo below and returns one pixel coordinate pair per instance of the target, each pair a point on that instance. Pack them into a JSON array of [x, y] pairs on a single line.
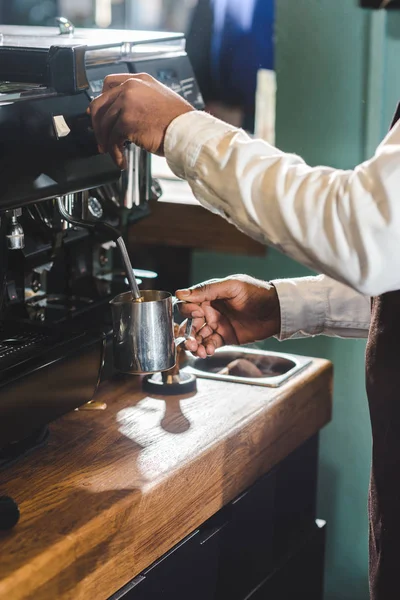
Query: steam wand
[[115, 236]]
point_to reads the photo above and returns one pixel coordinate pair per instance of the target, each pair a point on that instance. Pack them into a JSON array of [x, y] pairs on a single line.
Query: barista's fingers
[[99, 107], [210, 348], [201, 352], [197, 324], [213, 342], [197, 349], [110, 115], [212, 316], [195, 343], [106, 98], [118, 156], [195, 346], [191, 310], [112, 81], [219, 323], [191, 344], [205, 331], [116, 146]]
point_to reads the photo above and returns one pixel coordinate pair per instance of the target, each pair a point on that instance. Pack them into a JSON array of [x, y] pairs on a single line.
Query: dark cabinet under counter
[[264, 545]]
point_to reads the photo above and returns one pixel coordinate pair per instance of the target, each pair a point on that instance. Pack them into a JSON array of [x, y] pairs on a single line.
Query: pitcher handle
[[188, 331]]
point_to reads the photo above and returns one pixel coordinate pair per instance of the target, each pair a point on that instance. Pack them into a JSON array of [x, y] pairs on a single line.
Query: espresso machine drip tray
[[23, 344], [45, 371], [20, 346]]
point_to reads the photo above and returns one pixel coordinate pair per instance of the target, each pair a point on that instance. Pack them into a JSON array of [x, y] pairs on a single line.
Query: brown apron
[[383, 387], [382, 372]]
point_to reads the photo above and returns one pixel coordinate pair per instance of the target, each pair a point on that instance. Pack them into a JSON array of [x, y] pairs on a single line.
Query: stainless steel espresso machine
[[57, 278]]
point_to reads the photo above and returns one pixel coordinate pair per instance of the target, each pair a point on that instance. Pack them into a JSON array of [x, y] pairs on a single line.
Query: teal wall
[[345, 443], [338, 82]]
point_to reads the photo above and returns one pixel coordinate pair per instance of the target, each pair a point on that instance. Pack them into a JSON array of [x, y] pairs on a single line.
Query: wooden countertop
[[187, 225], [178, 219], [114, 490]]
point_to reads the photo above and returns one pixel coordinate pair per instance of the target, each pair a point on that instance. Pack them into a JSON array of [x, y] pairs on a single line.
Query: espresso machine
[[57, 277]]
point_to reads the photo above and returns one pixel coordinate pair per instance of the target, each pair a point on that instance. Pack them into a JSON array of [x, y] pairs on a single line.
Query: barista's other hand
[[134, 108], [235, 310]]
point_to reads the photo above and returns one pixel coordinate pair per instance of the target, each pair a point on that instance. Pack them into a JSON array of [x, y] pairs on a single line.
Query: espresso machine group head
[[57, 277]]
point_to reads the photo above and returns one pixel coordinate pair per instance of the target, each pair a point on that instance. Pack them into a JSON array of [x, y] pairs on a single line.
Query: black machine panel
[[58, 58], [57, 277], [177, 75], [35, 163], [61, 74]]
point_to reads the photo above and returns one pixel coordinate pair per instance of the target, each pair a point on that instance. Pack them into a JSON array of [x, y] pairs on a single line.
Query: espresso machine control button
[[60, 127], [36, 284], [95, 208], [65, 26]]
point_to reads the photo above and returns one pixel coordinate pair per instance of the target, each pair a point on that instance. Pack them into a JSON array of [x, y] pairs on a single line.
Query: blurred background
[[173, 15], [223, 36], [338, 82]]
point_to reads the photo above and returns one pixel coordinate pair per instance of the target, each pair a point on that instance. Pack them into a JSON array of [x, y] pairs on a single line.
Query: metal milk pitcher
[[143, 338]]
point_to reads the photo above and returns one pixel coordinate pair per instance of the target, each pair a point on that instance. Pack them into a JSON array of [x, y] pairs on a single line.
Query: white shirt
[[321, 306], [345, 224]]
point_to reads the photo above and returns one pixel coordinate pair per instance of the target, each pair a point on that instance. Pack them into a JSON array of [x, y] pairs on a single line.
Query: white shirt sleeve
[[345, 224], [321, 306]]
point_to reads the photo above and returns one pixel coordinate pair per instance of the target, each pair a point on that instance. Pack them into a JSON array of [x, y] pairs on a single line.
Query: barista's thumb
[[217, 289]]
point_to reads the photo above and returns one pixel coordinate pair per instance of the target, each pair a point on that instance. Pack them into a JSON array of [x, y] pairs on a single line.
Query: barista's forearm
[[342, 223]]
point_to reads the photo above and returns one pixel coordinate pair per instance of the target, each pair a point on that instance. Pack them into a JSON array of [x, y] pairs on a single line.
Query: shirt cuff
[[303, 305], [185, 138]]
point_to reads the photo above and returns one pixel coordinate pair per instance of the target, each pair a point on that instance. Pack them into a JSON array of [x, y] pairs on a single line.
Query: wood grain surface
[[115, 489], [191, 226]]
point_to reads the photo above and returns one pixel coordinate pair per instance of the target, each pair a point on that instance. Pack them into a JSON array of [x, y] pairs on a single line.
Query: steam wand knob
[[15, 233]]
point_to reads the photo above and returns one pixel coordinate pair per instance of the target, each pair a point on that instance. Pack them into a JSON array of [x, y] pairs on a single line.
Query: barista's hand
[[134, 108], [235, 310]]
